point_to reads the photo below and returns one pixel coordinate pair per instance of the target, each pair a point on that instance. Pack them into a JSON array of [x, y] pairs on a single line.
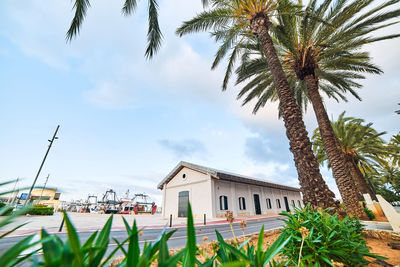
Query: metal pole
[[11, 198], [204, 219], [41, 165], [61, 226], [170, 220], [45, 183]]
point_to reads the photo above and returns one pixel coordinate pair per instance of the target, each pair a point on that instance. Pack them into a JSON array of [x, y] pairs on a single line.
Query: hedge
[[40, 210]]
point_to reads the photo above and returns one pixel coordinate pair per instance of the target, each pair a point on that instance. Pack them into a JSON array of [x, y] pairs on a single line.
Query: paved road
[[178, 239]]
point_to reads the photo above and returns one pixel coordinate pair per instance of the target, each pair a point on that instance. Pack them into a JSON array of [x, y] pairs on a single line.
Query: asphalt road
[[179, 237]]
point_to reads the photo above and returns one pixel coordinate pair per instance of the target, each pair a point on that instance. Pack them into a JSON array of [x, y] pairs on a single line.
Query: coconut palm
[[362, 146], [154, 35], [233, 21], [321, 53]]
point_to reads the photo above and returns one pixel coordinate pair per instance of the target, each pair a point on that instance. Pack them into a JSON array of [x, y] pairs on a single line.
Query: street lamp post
[[41, 165]]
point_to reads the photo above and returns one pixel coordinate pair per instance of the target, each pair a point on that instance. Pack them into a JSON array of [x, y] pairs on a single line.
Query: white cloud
[[110, 95]]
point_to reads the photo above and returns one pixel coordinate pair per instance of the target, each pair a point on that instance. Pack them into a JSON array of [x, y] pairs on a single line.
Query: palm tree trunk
[[359, 178], [347, 188], [314, 189]]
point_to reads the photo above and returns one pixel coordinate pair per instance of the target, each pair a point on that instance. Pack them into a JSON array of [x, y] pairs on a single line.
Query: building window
[[184, 176], [278, 203], [298, 201], [269, 206], [223, 202], [242, 203], [293, 205]]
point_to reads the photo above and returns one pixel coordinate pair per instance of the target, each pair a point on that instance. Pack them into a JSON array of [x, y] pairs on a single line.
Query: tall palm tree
[[361, 145], [321, 52], [240, 19], [154, 36]]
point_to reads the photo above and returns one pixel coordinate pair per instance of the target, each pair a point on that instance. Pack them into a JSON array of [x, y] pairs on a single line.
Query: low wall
[[391, 214]]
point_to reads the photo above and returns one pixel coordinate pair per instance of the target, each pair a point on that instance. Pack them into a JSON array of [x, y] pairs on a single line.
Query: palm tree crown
[[325, 41], [358, 140]]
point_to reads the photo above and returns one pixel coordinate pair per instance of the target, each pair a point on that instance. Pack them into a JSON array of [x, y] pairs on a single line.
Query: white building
[[213, 192]]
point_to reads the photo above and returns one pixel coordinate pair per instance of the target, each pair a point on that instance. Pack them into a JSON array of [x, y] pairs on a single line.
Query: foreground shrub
[[369, 213], [321, 239], [40, 210]]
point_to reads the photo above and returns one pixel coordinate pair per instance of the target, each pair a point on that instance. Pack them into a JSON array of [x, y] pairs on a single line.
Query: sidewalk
[[372, 225]]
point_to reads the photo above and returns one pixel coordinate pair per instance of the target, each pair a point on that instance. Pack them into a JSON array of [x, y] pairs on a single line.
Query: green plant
[[14, 255], [249, 255], [72, 252], [93, 251], [326, 238], [40, 210], [369, 213]]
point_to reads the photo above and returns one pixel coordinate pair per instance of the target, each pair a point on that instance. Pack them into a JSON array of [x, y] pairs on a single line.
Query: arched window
[[293, 205], [242, 203], [278, 203], [298, 201], [223, 202], [269, 206]]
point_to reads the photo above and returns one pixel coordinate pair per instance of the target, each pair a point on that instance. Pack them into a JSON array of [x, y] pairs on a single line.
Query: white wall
[[199, 186], [235, 190], [204, 193]]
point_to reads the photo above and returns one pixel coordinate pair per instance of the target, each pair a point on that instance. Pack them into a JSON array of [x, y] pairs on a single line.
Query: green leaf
[[133, 247], [52, 252], [11, 255], [191, 248], [275, 248], [73, 239]]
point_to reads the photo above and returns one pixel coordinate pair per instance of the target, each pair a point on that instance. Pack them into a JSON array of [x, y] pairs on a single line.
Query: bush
[[369, 213], [319, 239], [5, 212], [40, 210]]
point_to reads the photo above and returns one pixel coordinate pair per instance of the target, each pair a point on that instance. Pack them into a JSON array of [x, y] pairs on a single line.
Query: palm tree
[[394, 143], [361, 145], [154, 36], [320, 56], [235, 20]]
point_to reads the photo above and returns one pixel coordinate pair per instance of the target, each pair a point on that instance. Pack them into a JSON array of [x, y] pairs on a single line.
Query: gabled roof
[[223, 175]]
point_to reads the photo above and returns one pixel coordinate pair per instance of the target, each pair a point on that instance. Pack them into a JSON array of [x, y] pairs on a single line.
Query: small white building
[[213, 192]]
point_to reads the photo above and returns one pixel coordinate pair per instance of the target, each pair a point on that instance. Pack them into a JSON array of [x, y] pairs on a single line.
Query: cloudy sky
[[126, 121]]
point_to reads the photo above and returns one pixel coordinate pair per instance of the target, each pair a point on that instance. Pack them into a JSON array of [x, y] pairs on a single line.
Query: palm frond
[[206, 20], [80, 7], [129, 7], [154, 35]]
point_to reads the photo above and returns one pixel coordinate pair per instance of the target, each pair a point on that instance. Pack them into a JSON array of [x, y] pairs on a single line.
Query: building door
[[183, 203], [257, 205], [286, 204]]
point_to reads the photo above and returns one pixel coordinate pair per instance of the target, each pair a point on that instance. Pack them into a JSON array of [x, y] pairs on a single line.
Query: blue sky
[[125, 121]]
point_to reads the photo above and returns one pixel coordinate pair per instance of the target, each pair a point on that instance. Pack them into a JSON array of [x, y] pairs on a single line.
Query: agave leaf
[[191, 248], [275, 248], [51, 250], [133, 247], [10, 256], [73, 239]]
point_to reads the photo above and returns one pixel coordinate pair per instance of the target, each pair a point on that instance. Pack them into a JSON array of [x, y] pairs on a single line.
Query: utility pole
[[12, 197], [41, 165], [45, 183]]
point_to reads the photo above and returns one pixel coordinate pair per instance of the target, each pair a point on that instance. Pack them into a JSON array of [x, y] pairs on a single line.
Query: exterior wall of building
[[199, 186], [50, 197], [234, 191]]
